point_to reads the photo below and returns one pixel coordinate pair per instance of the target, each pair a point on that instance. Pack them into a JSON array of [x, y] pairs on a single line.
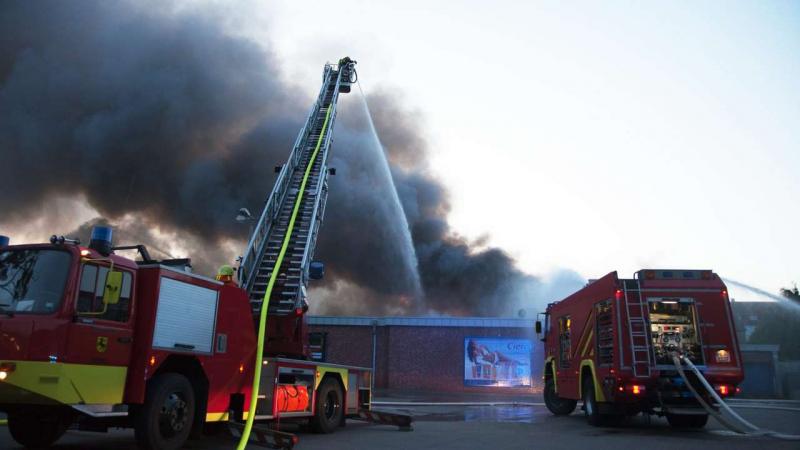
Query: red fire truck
[[103, 341], [93, 339], [612, 343]]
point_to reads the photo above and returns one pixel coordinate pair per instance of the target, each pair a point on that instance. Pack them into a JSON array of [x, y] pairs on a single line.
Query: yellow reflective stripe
[[216, 417], [322, 370], [70, 383], [221, 416], [598, 390], [586, 345], [586, 327], [262, 322]]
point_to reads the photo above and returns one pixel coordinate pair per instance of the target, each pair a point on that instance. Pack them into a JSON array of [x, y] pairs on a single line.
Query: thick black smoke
[[158, 114], [167, 125]]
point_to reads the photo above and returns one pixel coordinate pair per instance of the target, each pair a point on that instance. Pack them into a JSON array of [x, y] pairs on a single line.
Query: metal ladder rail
[[279, 233], [278, 229], [321, 193], [637, 332], [277, 197], [315, 195], [255, 247], [284, 300]]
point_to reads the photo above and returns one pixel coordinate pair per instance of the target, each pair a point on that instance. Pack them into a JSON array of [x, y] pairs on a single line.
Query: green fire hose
[[262, 323]]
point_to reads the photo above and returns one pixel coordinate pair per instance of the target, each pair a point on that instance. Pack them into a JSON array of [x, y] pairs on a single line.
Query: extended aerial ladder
[[296, 207], [275, 271]]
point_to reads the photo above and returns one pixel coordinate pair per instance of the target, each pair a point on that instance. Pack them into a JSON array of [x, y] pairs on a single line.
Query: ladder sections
[[638, 332], [291, 276]]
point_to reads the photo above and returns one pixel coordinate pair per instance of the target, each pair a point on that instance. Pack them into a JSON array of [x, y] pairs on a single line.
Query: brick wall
[[425, 358]]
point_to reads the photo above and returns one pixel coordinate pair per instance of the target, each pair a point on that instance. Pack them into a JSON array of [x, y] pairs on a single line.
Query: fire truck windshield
[[32, 280]]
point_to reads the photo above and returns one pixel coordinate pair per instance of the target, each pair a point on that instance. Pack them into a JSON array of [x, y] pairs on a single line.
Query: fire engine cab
[[614, 343]]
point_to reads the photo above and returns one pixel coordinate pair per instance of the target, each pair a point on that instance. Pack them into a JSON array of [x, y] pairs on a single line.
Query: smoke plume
[[166, 125]]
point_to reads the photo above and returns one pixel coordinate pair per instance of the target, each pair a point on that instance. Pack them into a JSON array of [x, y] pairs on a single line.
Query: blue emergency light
[[316, 270], [101, 240]]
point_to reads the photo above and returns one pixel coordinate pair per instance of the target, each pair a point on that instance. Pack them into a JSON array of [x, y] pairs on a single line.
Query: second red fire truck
[[613, 345]]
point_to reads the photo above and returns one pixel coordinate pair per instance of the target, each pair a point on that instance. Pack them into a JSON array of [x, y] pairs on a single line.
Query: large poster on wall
[[497, 362]]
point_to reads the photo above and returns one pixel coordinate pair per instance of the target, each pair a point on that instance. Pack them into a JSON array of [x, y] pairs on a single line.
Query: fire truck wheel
[[687, 420], [328, 414], [557, 405], [592, 411], [590, 408], [165, 420], [38, 428]]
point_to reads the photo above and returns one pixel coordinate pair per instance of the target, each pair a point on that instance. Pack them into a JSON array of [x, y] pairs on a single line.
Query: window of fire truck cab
[[564, 341], [32, 281], [92, 290]]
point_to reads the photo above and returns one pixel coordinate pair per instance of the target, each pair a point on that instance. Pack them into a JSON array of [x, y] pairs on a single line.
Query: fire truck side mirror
[[538, 327], [113, 288]]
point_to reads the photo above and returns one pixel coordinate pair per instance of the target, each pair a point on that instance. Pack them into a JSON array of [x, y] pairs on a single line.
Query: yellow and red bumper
[[37, 383]]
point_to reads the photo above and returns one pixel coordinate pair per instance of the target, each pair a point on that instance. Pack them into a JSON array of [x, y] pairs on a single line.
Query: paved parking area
[[493, 427]]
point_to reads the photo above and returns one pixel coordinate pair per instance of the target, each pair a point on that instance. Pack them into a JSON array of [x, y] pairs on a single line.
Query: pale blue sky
[[592, 136]]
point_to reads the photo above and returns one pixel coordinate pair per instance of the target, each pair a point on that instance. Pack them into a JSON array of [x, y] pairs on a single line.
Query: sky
[[591, 136]]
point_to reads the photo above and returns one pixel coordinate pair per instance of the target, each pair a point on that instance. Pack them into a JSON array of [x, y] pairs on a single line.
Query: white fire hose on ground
[[743, 427]]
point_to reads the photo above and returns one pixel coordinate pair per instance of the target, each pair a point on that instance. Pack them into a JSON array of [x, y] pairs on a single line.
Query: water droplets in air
[[756, 294], [399, 224]]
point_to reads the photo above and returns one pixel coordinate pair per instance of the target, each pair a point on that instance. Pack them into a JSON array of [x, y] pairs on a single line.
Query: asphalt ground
[[502, 426]]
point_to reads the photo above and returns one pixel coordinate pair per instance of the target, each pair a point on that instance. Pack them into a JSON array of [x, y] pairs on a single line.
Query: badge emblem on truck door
[[102, 344]]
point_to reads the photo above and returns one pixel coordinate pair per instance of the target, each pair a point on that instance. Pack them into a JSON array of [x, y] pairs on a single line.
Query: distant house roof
[[486, 322]]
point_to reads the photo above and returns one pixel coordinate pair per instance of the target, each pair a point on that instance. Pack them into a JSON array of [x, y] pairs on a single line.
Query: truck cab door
[[102, 333]]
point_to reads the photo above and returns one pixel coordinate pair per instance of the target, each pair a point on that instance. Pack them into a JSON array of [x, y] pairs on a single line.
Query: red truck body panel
[[234, 320]]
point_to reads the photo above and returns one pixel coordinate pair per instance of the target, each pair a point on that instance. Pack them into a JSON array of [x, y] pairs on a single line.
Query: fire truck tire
[[329, 409], [38, 428], [557, 405], [165, 419], [687, 420], [591, 409]]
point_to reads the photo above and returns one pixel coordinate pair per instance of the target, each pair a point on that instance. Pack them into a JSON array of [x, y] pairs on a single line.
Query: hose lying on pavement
[[744, 427]]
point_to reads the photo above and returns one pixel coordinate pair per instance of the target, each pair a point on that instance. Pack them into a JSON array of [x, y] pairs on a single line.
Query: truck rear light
[[152, 361], [635, 389], [738, 390], [618, 294], [5, 369], [723, 389], [241, 368]]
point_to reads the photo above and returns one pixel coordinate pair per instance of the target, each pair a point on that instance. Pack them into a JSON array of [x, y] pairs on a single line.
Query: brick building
[[433, 353]]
